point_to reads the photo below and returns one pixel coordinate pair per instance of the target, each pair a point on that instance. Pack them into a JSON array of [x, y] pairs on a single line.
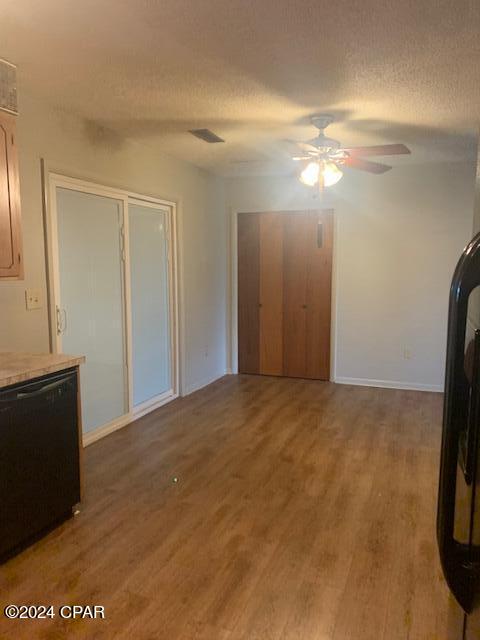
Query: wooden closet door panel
[[294, 293], [318, 297], [284, 293], [248, 292], [271, 293]]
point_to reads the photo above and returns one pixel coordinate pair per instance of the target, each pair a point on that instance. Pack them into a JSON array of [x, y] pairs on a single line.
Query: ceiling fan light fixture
[[324, 155], [310, 174], [331, 174], [328, 171]]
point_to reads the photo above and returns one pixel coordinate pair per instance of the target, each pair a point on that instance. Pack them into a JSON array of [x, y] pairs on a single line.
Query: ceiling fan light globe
[[331, 174], [310, 174]]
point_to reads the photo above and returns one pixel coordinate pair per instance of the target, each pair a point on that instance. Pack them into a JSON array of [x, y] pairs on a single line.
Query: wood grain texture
[[80, 433], [303, 510], [248, 293], [295, 229], [11, 263], [282, 250], [319, 294], [271, 293]]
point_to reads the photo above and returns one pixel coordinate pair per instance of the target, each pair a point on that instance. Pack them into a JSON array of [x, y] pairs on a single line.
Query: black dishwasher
[[39, 458]]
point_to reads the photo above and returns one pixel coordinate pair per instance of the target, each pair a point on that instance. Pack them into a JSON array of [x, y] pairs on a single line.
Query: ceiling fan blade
[[378, 150], [301, 158], [366, 165]]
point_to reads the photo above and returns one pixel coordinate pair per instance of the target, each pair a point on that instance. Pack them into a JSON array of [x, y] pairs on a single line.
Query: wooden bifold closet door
[[284, 293]]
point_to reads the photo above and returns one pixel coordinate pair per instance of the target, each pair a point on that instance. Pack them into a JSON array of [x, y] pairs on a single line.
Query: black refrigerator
[[458, 513]]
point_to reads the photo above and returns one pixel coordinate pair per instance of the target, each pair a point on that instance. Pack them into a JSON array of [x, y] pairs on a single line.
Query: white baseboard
[[155, 403], [196, 386], [389, 384], [96, 434], [89, 437]]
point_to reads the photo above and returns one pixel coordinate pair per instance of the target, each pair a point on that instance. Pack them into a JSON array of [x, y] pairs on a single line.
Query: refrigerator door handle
[[456, 558], [471, 437]]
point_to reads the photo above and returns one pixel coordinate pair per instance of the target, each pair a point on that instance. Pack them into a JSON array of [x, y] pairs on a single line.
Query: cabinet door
[[10, 231]]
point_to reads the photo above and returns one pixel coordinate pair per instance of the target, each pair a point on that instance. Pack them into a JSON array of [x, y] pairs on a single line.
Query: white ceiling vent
[[8, 87]]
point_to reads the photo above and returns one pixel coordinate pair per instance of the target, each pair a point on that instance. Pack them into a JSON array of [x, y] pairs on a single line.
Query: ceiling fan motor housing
[[321, 142], [322, 120], [324, 144]]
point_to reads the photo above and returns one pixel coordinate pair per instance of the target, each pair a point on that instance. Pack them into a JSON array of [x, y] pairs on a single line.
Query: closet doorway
[[284, 293], [113, 298]]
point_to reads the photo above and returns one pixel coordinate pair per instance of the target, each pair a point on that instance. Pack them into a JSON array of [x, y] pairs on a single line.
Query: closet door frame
[[233, 280], [153, 403], [53, 180]]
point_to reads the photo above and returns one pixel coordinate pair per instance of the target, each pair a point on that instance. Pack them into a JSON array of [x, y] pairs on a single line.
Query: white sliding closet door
[[150, 302], [91, 299], [111, 257]]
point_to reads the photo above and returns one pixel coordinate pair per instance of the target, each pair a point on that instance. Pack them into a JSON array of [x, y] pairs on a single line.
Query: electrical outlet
[[33, 299], [407, 353]]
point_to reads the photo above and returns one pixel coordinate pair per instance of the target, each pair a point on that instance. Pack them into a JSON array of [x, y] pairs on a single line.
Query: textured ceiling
[[253, 71]]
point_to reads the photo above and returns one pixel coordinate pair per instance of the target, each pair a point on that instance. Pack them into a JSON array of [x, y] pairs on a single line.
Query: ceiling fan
[[323, 157]]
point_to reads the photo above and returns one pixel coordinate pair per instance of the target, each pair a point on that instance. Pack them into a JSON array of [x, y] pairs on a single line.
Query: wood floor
[[303, 511]]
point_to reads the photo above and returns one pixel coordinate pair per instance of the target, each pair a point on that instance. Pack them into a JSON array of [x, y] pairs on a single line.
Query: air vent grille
[[206, 135], [8, 87]]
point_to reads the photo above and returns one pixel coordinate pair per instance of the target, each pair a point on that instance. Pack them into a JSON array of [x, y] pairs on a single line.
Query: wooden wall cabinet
[[11, 263]]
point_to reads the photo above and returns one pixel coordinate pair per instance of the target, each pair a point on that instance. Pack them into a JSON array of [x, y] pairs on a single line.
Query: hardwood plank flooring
[[303, 510]]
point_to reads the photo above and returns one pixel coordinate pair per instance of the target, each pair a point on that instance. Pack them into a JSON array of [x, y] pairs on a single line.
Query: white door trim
[[159, 400]]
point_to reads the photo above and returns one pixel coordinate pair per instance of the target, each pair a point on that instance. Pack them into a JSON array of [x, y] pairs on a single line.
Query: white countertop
[[18, 367]]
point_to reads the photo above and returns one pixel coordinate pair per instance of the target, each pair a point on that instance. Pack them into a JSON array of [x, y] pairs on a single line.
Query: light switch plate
[[33, 299]]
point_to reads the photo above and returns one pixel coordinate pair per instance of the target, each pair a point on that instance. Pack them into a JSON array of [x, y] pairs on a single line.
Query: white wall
[[397, 239], [72, 147], [476, 213]]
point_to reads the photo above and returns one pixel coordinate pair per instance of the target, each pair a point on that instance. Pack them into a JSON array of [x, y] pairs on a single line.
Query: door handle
[[58, 316], [38, 388], [61, 316], [22, 395], [319, 235]]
